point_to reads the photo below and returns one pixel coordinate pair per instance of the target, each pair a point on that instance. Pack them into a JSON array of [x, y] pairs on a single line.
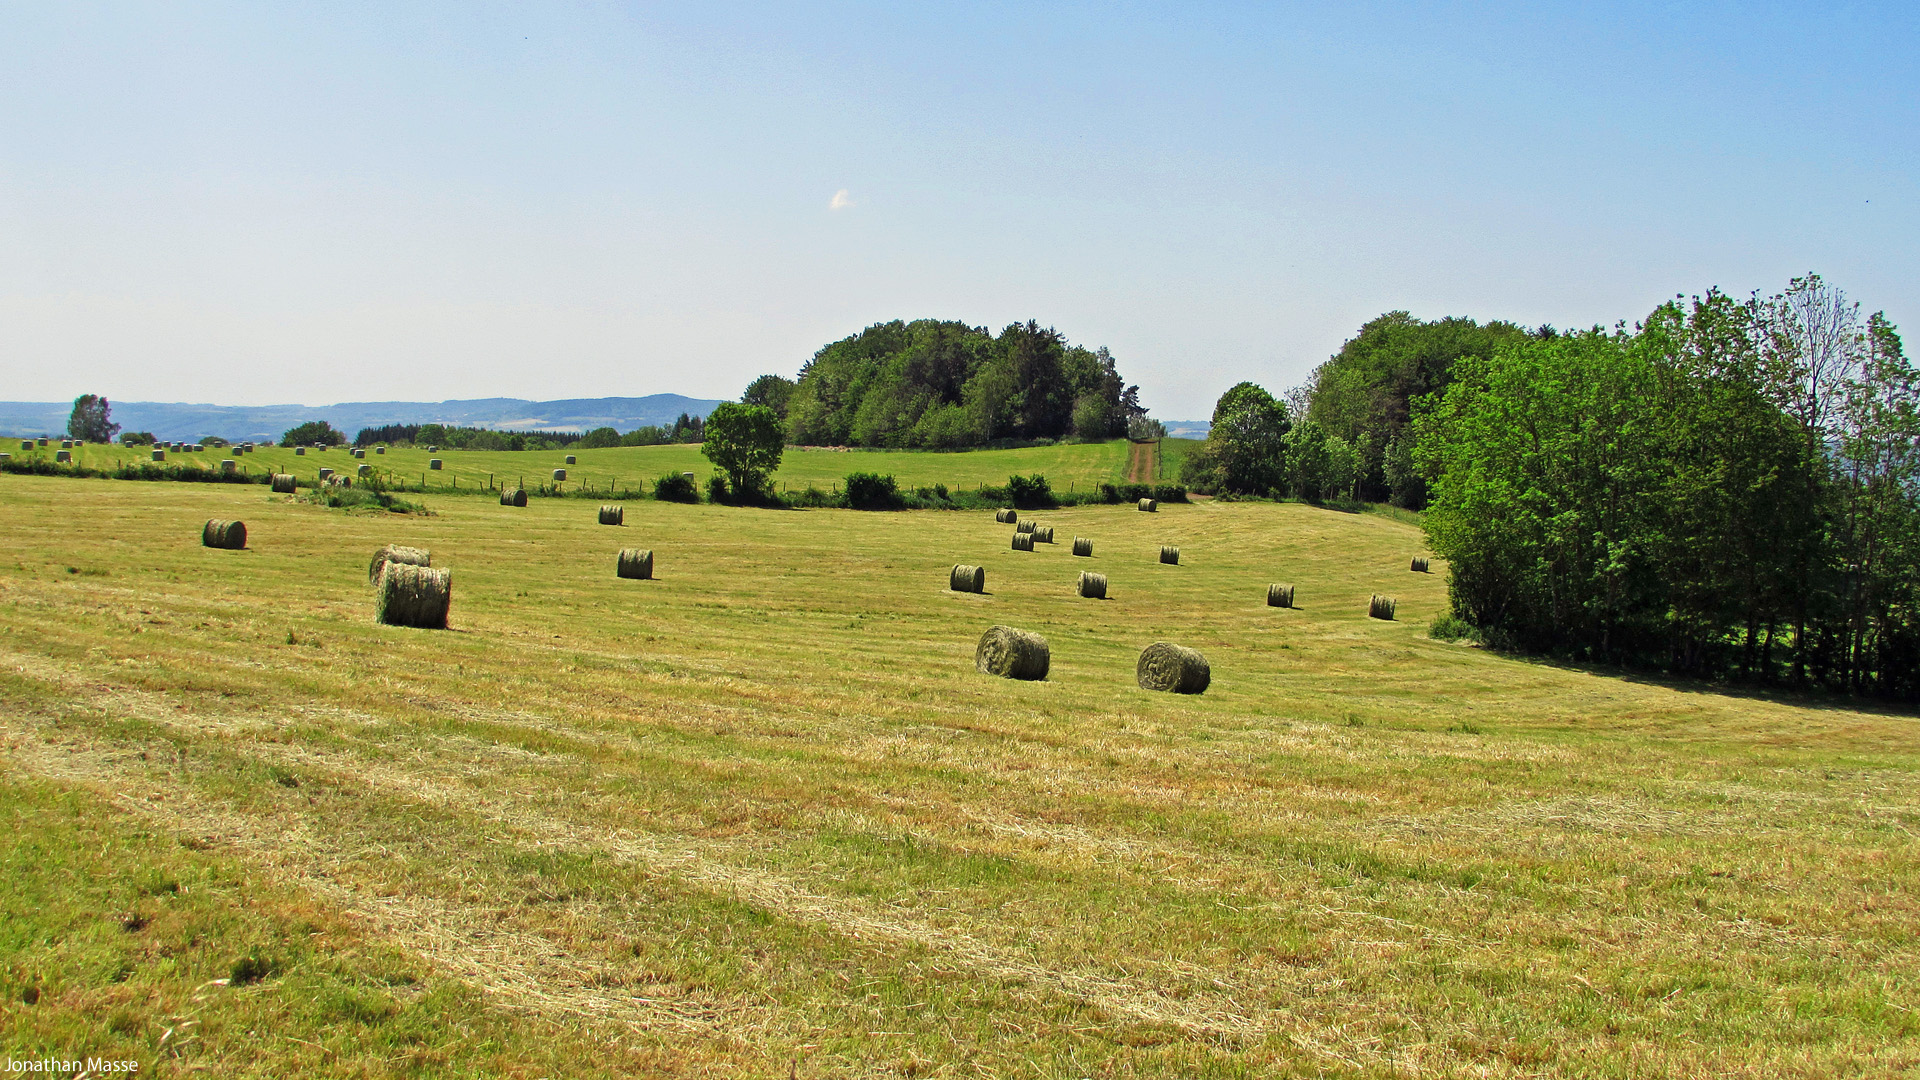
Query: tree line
[[936, 384], [1728, 489]]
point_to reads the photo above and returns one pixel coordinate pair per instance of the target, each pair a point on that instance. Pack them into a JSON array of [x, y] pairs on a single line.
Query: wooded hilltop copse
[[1730, 489], [937, 384]]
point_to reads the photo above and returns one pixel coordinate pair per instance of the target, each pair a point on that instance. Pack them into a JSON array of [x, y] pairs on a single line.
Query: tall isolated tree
[[1248, 440], [745, 442], [90, 419]]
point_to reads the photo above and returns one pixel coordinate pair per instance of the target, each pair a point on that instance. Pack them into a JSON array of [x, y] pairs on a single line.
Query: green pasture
[[760, 817], [1067, 467]]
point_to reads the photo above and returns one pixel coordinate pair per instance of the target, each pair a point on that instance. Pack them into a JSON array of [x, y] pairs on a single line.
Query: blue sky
[[254, 204]]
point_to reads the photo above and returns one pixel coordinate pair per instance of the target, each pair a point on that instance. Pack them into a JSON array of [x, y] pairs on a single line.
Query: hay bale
[[379, 450], [513, 496], [43, 440], [433, 464], [359, 453], [1008, 516], [571, 461], [62, 455], [1169, 554], [433, 449], [26, 444], [1280, 596], [223, 534], [4, 458], [394, 553], [228, 465], [613, 515], [559, 475], [283, 483], [413, 595], [159, 455], [1150, 506], [1166, 666], [1023, 541], [1012, 654], [1419, 566], [1083, 546], [1023, 526], [299, 451], [964, 578], [364, 470], [325, 473], [66, 444], [1092, 586], [634, 563], [1043, 534], [1381, 607]]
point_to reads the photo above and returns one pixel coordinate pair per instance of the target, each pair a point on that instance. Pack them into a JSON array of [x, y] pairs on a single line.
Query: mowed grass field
[[761, 817], [1067, 467]]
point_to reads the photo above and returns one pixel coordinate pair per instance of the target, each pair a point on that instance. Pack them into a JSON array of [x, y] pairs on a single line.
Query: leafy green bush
[[871, 491], [1030, 492], [675, 487]]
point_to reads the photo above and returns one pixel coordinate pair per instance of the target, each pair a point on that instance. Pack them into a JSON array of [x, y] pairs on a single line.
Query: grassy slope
[[1066, 467], [762, 809]]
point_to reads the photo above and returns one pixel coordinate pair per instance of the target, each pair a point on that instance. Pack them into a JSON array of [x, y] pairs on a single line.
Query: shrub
[[676, 487], [717, 489], [871, 491], [1030, 492]]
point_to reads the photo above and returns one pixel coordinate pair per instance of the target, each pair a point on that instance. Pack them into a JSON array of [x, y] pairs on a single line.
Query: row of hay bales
[[1012, 653]]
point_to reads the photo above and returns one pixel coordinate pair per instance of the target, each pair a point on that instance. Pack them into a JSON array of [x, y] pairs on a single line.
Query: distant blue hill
[[239, 423]]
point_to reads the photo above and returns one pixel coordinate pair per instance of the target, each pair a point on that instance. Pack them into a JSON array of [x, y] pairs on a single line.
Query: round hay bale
[[1150, 506], [964, 578], [1166, 666], [1083, 546], [1012, 654], [394, 553], [43, 440], [1006, 517], [414, 595], [63, 455], [4, 458], [433, 464], [433, 449], [1024, 526], [159, 455], [1419, 566], [571, 461], [223, 534], [364, 470], [513, 496], [26, 444], [66, 444], [1023, 541], [613, 515], [325, 473], [227, 465], [1280, 596], [559, 475], [1043, 534], [283, 483], [1169, 554], [379, 450], [1382, 607], [1092, 586], [634, 563], [299, 451]]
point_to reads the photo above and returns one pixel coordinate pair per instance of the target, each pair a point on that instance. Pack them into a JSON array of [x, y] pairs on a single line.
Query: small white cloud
[[841, 200]]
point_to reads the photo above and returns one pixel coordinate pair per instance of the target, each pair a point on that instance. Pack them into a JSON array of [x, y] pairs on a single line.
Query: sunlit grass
[[762, 810]]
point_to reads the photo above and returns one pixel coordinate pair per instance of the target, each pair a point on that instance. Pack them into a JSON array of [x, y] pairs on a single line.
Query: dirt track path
[[1142, 458]]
